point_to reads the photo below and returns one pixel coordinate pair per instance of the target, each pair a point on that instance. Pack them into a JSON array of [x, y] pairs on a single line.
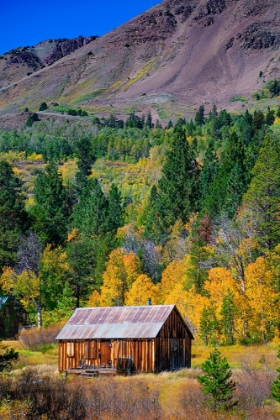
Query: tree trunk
[[39, 315]]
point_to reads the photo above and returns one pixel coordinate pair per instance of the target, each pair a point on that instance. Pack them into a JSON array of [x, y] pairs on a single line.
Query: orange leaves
[[94, 299], [73, 235]]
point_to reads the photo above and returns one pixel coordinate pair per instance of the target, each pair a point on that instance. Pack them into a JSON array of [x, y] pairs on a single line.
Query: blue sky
[[28, 22]]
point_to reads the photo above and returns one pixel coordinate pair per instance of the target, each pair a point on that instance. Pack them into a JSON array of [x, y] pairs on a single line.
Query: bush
[[36, 340], [53, 397], [7, 359], [43, 106]]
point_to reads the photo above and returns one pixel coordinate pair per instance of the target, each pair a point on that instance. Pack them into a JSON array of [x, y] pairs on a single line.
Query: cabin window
[[91, 350], [70, 350]]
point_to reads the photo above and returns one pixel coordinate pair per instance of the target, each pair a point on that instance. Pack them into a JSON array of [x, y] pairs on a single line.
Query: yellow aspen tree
[[240, 258], [218, 282], [174, 274], [94, 299], [263, 299], [121, 270], [25, 287], [273, 264], [142, 289], [189, 302]]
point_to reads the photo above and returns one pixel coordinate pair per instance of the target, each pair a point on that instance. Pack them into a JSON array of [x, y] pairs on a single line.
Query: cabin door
[[105, 356], [176, 353]]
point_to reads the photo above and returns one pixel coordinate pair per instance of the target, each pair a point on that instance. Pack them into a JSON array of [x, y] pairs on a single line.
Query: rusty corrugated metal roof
[[115, 322]]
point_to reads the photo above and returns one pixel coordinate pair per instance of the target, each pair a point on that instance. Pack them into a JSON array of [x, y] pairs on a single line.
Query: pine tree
[[209, 326], [229, 185], [209, 171], [199, 252], [50, 211], [86, 159], [149, 122], [90, 215], [154, 229], [178, 188], [263, 194], [81, 256], [228, 313], [199, 116], [275, 390], [115, 212], [13, 217], [217, 383]]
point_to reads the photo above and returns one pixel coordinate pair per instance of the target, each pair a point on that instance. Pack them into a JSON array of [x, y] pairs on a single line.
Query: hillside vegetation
[[117, 213], [112, 213]]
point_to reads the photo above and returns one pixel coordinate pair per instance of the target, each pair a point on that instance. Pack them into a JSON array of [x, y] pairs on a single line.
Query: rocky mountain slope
[[23, 61], [181, 51]]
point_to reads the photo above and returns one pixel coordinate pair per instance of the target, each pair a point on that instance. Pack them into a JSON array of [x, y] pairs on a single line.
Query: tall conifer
[[178, 188]]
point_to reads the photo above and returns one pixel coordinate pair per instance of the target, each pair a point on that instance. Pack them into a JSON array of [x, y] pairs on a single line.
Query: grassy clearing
[[165, 396], [256, 357]]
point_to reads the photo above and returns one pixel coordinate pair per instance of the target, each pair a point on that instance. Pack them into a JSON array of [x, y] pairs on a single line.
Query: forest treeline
[[111, 214]]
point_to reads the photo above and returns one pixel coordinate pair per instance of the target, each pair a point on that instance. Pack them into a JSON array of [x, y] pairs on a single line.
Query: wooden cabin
[[150, 338]]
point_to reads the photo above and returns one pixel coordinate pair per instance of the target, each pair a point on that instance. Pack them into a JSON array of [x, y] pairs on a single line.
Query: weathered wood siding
[[107, 353], [170, 350], [173, 345]]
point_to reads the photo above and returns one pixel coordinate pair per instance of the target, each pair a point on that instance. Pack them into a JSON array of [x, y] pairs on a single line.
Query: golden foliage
[[94, 299], [142, 289], [121, 271]]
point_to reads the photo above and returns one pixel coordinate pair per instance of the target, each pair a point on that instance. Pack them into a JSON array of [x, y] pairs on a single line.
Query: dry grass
[[238, 356], [165, 396], [35, 339]]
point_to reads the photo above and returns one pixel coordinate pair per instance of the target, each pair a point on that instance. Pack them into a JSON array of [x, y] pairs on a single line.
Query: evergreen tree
[[228, 313], [179, 125], [274, 88], [13, 217], [224, 119], [50, 211], [190, 128], [43, 106], [169, 125], [81, 256], [199, 252], [209, 171], [226, 191], [209, 328], [90, 215], [275, 390], [199, 116], [178, 188], [154, 229], [86, 159], [115, 212], [258, 120], [217, 383], [149, 122], [270, 117], [263, 194]]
